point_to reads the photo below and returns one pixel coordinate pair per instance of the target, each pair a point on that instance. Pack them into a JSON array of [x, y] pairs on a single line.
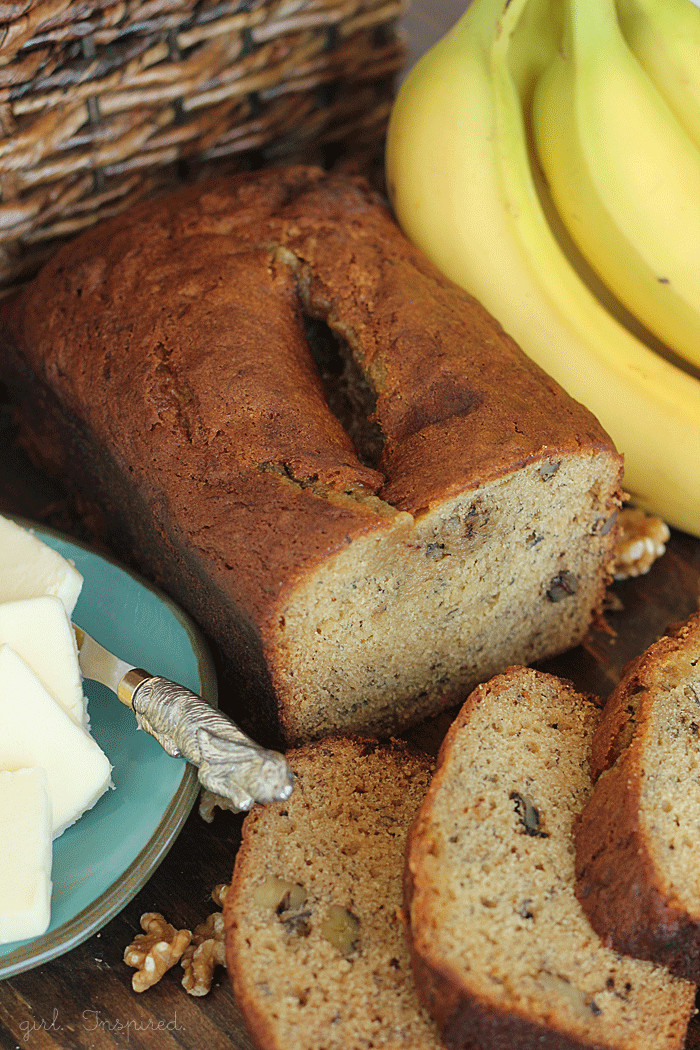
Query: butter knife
[[228, 762]]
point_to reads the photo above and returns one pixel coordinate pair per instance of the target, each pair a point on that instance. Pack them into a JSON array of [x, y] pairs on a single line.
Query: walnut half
[[155, 950], [341, 929], [642, 538], [205, 952]]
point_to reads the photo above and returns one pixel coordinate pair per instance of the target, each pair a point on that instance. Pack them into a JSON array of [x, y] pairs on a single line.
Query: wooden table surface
[[84, 1000]]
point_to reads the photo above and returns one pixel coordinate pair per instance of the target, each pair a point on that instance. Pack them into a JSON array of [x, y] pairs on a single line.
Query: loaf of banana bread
[[331, 456]]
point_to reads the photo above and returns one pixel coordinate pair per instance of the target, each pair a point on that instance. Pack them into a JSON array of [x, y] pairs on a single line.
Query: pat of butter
[[36, 731], [29, 567], [38, 629], [25, 855]]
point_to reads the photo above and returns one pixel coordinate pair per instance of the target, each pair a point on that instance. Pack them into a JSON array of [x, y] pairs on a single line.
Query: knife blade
[[228, 762], [98, 664]]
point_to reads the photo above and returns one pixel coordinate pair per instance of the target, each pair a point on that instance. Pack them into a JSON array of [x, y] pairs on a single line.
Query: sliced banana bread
[[315, 943], [503, 953], [637, 842]]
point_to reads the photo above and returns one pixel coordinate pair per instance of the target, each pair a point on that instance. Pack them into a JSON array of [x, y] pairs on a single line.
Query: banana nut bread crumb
[[503, 953], [637, 845], [315, 941], [335, 459]]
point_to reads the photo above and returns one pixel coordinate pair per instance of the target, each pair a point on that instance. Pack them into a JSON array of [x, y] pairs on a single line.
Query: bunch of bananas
[[545, 155]]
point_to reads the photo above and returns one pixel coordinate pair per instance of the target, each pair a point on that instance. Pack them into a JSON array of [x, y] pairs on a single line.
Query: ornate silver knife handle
[[229, 763]]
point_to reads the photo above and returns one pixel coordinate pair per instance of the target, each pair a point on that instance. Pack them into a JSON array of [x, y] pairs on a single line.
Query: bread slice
[[315, 945], [503, 953], [336, 460], [638, 842]]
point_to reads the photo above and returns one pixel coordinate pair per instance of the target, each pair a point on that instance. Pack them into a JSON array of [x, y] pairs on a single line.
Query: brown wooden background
[[84, 1000]]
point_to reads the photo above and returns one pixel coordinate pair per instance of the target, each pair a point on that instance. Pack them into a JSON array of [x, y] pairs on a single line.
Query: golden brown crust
[[622, 715], [197, 271], [258, 1020], [621, 881]]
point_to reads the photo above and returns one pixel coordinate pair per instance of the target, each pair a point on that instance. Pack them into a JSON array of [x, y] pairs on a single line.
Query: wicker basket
[[105, 101]]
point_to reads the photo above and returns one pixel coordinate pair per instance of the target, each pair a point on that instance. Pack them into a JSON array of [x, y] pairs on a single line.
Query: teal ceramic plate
[[101, 862]]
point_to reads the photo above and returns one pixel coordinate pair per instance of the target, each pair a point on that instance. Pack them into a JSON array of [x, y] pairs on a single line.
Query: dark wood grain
[[84, 1000]]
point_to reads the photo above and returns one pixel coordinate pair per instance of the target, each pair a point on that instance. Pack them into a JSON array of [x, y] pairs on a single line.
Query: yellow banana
[[623, 174], [664, 36], [459, 174]]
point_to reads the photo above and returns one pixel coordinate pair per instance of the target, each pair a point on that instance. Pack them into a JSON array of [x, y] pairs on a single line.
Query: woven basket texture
[[103, 102]]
